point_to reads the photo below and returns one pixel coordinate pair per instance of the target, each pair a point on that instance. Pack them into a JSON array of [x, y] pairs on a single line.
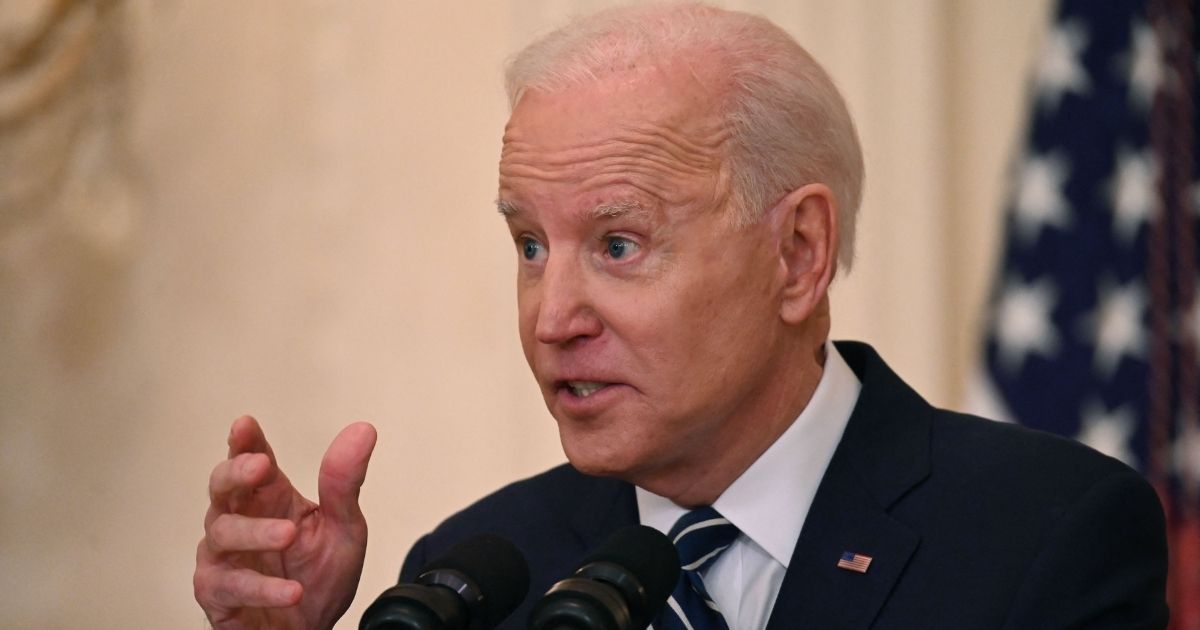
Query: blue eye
[[618, 248], [530, 248]]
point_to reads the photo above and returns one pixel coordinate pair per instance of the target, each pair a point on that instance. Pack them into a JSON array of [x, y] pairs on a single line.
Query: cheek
[[674, 331], [710, 327], [527, 310]]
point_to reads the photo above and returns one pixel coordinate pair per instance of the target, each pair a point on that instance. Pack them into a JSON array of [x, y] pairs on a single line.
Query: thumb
[[343, 470]]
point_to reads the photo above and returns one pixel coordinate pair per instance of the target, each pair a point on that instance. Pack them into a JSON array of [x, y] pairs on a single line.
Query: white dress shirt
[[769, 502]]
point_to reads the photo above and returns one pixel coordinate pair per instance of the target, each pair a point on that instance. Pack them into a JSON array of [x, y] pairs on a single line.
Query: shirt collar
[[788, 472]]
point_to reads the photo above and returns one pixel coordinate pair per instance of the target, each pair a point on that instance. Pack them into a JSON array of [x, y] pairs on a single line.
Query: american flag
[[1094, 318], [854, 562]]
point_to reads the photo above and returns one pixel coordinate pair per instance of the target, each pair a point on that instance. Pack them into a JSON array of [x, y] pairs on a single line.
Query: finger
[[245, 436], [242, 473], [232, 589], [343, 470], [234, 532]]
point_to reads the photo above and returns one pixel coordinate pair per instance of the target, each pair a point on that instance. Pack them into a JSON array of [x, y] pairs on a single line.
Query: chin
[[597, 456]]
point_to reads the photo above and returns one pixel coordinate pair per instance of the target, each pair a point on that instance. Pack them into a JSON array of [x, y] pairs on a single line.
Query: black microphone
[[478, 583], [620, 586]]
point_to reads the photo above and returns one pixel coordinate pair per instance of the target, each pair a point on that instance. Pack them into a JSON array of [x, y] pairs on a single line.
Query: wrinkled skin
[[271, 558], [671, 345]]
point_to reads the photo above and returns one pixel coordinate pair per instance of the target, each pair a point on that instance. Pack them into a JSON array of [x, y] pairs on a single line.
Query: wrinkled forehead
[[684, 95], [656, 128]]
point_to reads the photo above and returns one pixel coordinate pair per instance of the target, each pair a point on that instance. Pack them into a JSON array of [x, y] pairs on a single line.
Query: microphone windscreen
[[648, 554], [496, 566]]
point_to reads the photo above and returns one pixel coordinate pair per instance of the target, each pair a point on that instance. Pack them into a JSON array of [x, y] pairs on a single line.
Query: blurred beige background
[[284, 207]]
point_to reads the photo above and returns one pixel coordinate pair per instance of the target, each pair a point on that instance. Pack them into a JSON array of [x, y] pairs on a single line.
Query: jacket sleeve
[[1102, 565]]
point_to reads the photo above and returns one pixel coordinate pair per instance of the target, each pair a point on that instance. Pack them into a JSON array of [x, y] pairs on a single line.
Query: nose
[[565, 312]]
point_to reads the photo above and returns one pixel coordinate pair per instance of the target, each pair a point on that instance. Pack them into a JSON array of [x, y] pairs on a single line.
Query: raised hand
[[271, 558]]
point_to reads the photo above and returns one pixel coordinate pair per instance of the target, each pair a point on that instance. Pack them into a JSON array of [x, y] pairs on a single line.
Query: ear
[[808, 237]]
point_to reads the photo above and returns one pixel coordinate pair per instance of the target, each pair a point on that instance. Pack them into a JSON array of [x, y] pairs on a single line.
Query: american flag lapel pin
[[856, 562]]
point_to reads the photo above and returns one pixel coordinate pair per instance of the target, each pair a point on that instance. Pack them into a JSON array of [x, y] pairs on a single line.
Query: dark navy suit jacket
[[970, 524]]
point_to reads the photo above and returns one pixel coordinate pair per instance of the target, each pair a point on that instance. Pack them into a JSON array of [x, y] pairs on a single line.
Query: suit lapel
[[815, 591], [882, 455]]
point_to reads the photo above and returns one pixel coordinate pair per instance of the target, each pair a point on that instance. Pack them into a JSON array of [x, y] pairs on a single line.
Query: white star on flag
[[1104, 212], [1145, 67], [1134, 190], [1116, 326], [1039, 196], [1023, 322], [1059, 70], [1108, 431]]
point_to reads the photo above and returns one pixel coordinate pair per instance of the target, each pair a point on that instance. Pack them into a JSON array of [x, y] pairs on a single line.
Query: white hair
[[789, 125]]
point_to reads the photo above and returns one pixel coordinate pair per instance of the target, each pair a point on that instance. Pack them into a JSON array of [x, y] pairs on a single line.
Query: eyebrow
[[617, 209], [507, 209]]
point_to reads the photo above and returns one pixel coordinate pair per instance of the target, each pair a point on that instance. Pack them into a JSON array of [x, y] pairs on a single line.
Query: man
[[680, 184]]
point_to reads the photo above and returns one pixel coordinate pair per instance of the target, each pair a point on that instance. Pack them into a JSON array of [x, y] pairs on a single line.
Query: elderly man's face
[[647, 317]]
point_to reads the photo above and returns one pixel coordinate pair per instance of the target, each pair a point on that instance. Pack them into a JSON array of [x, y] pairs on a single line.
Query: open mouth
[[583, 389]]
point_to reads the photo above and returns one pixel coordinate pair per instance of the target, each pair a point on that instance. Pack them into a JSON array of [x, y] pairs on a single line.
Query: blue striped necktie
[[700, 536]]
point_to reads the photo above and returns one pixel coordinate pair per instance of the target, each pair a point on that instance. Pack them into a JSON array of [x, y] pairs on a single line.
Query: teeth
[[583, 389]]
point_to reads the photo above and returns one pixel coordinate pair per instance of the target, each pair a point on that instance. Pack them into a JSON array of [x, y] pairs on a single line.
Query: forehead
[[672, 93], [657, 129]]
